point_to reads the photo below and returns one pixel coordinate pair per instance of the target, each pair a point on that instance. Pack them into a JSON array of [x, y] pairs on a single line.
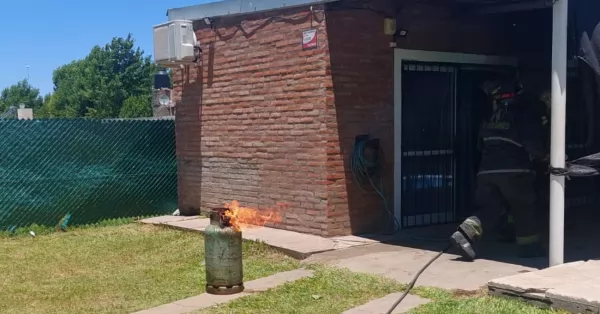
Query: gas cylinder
[[223, 255]]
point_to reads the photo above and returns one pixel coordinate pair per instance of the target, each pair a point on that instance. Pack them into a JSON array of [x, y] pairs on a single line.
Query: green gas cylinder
[[223, 255]]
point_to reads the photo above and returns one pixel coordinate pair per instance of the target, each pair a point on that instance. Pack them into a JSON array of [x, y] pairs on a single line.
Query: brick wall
[[251, 121], [187, 94], [263, 121], [439, 28], [360, 102]]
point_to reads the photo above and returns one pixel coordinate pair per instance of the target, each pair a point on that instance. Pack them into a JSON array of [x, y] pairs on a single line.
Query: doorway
[[473, 105], [439, 106]]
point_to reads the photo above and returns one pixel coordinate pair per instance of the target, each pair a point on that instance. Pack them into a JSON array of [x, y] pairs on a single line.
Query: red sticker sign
[[309, 39]]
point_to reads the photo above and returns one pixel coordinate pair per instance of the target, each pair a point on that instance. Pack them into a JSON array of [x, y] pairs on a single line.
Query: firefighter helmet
[[504, 91]]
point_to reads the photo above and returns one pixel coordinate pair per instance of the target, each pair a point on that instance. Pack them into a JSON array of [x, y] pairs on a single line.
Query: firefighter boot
[[468, 233]]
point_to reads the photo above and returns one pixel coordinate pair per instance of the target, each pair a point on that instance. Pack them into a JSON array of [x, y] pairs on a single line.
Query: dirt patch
[[460, 293]]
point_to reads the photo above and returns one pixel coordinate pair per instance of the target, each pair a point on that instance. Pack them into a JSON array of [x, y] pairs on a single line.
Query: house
[[284, 88]]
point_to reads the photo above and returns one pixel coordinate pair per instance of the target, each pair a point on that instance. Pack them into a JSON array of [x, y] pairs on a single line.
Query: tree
[[98, 85], [21, 93], [136, 107]]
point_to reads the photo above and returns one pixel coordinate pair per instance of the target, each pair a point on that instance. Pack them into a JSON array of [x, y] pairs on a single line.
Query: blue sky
[[45, 34]]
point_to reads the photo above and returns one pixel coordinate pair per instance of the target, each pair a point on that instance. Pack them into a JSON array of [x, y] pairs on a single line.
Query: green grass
[[43, 230], [329, 291], [458, 302], [332, 291], [112, 269], [118, 267]]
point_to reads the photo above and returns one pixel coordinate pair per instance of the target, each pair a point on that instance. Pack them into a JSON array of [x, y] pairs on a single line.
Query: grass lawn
[[125, 268], [113, 269], [447, 302], [329, 291], [332, 291]]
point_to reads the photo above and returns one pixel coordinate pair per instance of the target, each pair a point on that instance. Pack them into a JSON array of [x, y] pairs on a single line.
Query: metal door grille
[[428, 131]]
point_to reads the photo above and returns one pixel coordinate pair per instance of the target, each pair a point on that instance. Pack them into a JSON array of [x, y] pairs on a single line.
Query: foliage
[[21, 93], [136, 106], [102, 83]]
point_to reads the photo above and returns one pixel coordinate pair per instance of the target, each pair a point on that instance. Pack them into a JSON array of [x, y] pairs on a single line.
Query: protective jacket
[[510, 141]]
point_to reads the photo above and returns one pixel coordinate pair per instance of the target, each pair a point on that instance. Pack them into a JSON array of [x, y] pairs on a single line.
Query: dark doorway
[[442, 106], [473, 106]]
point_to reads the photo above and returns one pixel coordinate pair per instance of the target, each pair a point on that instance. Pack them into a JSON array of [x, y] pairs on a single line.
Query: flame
[[246, 216]]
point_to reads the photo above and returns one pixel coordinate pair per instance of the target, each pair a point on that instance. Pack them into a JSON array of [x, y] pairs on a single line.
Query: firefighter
[[506, 227], [509, 141]]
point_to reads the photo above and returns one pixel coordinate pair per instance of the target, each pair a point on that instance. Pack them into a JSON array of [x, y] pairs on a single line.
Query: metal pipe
[[557, 146]]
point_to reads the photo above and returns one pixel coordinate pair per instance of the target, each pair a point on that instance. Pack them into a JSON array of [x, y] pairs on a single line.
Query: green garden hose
[[363, 170]]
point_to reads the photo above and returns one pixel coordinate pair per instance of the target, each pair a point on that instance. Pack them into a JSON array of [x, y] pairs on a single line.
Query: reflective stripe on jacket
[[509, 144]]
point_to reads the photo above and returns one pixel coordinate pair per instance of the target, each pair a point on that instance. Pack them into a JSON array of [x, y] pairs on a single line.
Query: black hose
[[412, 283]]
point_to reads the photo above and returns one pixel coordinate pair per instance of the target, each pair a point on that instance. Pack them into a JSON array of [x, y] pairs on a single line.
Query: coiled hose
[[363, 170]]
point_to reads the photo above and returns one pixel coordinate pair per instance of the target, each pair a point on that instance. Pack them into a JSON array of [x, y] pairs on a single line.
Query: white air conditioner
[[175, 44]]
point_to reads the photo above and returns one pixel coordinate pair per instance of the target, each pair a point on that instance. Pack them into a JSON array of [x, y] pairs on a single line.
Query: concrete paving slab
[[573, 286], [206, 300], [577, 296], [402, 263], [345, 242], [295, 244], [537, 281], [166, 219], [198, 224], [382, 305]]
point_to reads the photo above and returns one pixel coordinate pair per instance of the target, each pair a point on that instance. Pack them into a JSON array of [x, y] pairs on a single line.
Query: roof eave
[[235, 7]]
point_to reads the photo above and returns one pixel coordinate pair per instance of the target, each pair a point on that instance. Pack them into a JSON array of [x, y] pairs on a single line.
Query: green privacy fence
[[90, 169]]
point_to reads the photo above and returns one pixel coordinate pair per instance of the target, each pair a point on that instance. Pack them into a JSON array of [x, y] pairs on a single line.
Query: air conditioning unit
[[175, 44]]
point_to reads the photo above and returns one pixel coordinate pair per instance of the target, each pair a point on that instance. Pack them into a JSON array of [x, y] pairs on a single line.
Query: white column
[[557, 148]]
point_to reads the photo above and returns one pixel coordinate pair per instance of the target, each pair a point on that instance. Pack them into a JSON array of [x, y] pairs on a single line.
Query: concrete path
[[396, 261], [574, 287], [167, 219], [206, 300], [401, 264], [295, 244], [382, 305]]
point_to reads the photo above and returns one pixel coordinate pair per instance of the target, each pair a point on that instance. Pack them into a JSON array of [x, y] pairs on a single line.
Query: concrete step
[[574, 287], [295, 244]]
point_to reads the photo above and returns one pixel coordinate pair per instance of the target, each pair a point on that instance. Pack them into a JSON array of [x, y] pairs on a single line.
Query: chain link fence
[[89, 170]]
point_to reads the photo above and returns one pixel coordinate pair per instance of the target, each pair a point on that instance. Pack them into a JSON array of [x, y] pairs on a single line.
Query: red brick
[[249, 119], [262, 121]]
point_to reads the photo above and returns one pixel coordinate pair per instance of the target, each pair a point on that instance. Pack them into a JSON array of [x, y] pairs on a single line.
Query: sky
[[45, 34]]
